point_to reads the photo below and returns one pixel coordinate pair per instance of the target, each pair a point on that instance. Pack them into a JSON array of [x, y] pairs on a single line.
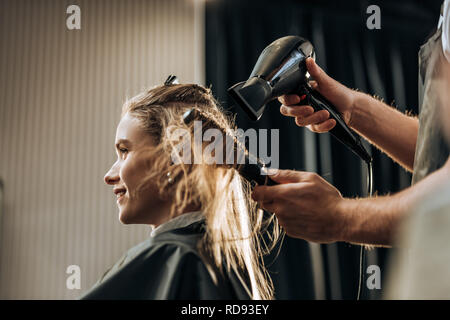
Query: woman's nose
[[112, 176]]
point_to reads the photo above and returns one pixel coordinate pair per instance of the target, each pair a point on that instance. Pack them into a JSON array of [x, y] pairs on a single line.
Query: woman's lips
[[120, 198]]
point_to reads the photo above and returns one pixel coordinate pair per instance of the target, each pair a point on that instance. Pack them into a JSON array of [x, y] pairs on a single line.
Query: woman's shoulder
[[180, 242], [167, 266], [179, 239]]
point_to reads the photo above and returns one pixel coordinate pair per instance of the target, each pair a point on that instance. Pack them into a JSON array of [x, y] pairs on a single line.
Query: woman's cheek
[[128, 173], [133, 172]]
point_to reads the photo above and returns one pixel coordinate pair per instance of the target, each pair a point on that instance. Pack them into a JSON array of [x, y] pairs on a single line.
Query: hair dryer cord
[[362, 249]]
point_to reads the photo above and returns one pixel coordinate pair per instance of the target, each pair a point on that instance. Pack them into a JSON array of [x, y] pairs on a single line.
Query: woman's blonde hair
[[237, 233]]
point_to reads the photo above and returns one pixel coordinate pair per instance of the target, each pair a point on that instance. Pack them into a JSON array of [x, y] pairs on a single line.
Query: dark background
[[380, 62]]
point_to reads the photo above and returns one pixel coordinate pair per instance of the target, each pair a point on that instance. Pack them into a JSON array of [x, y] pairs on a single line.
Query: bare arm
[[390, 130], [375, 220]]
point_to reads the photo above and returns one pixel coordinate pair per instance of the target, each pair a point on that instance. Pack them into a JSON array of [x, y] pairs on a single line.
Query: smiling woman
[[134, 148], [207, 237]]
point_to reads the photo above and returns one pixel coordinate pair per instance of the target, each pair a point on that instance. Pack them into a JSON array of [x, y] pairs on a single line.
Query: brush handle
[[252, 173]]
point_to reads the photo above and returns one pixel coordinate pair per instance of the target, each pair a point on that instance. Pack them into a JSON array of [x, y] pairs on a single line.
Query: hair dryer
[[281, 69]]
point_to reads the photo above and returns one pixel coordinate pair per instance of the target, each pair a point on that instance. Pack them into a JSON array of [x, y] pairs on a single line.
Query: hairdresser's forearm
[[375, 220], [390, 130]]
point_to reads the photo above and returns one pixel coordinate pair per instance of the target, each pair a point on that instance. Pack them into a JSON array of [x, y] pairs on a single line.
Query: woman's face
[[134, 148]]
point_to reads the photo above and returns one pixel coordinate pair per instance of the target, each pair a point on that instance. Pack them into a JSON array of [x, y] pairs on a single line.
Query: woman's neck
[[167, 206]]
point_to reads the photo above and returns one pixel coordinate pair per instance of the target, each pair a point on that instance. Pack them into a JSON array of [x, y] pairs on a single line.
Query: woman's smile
[[120, 193], [120, 197]]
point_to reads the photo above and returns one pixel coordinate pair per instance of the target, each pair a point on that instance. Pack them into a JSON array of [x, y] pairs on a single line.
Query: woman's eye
[[123, 151]]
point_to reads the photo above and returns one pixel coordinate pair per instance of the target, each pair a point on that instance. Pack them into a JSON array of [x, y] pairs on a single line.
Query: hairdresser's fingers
[[271, 193], [313, 84], [270, 206], [317, 73], [291, 99], [315, 118], [322, 127], [297, 111], [327, 86], [292, 176], [285, 191], [339, 95]]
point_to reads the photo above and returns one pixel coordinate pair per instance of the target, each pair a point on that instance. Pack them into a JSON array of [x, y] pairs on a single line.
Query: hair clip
[[189, 115], [171, 80]]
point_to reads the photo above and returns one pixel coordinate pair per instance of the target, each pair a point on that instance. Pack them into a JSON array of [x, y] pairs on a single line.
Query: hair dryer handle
[[341, 131]]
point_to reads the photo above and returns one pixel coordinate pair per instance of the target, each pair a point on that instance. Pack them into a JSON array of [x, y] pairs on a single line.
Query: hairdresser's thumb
[[285, 176], [315, 71]]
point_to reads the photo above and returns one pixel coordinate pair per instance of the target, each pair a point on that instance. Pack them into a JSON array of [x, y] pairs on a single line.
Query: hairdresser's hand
[[338, 94], [306, 206]]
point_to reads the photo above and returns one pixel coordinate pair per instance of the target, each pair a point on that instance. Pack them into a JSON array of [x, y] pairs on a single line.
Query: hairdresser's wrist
[[346, 211], [370, 221], [358, 108]]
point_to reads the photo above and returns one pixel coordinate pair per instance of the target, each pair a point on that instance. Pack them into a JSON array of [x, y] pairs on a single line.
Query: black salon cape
[[166, 266]]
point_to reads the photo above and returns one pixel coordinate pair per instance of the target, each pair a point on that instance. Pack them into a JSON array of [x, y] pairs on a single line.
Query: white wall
[[61, 93]]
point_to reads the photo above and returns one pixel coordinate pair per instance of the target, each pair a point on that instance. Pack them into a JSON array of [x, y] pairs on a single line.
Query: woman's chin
[[148, 214], [126, 218]]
